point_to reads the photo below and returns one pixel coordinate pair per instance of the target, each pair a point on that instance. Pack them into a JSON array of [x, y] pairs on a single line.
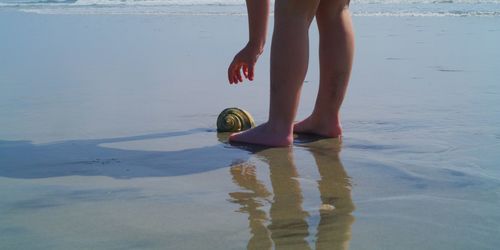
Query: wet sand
[[108, 139]]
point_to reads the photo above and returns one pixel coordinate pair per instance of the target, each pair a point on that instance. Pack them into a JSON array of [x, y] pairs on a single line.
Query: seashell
[[326, 208], [234, 120]]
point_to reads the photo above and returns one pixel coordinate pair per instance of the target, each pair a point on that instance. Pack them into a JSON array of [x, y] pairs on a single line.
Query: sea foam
[[402, 8]]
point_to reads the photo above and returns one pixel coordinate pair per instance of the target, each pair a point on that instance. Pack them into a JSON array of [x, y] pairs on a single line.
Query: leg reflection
[[289, 228], [251, 202], [334, 229]]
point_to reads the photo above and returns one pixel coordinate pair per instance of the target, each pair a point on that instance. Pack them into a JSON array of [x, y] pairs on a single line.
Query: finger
[[235, 79], [235, 72], [245, 71], [238, 74], [235, 67], [234, 75], [251, 72]]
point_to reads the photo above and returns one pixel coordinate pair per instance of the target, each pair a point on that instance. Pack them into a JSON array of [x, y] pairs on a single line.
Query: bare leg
[[336, 55], [289, 59]]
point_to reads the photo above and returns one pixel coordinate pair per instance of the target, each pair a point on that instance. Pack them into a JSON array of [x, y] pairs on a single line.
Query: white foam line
[[228, 2], [385, 2], [124, 11], [118, 12], [427, 14], [123, 3]]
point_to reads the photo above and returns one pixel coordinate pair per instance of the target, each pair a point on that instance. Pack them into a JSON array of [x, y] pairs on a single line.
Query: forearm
[[258, 15]]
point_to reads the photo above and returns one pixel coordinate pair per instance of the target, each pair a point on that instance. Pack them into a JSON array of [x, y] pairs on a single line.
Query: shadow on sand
[[23, 159]]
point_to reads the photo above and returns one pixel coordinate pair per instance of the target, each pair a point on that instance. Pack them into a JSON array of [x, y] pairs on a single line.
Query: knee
[[340, 74], [295, 10], [331, 9]]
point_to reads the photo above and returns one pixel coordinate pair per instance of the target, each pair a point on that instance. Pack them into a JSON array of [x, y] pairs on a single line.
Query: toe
[[233, 136]]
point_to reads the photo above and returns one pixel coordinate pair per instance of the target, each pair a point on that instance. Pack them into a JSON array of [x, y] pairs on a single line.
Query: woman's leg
[[289, 59], [336, 52]]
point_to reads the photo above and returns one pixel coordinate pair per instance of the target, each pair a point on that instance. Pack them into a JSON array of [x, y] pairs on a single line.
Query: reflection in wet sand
[[287, 222], [334, 229], [251, 202]]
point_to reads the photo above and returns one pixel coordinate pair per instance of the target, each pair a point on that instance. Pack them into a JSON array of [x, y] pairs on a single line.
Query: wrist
[[257, 46]]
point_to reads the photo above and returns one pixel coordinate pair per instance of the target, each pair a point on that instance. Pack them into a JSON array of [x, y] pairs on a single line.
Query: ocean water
[[236, 7], [108, 141]]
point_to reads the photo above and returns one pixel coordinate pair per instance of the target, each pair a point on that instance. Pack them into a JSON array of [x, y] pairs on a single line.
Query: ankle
[[280, 128], [325, 118]]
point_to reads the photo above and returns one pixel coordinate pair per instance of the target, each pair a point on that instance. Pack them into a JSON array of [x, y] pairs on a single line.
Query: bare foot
[[264, 134], [325, 128]]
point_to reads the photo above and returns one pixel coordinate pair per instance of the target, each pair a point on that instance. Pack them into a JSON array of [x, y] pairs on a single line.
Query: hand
[[244, 61]]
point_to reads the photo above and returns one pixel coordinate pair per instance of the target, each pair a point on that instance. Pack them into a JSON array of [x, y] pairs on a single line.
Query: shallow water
[[107, 139]]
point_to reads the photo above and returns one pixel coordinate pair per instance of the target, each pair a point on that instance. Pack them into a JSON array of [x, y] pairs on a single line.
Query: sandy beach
[[108, 138]]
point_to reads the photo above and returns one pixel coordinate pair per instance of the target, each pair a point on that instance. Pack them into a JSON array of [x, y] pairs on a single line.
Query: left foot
[[312, 125], [264, 134]]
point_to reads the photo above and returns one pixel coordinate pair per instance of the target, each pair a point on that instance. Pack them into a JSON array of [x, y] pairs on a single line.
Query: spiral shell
[[234, 120]]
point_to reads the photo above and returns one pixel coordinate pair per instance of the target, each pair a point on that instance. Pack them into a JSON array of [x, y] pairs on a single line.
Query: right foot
[[264, 134], [324, 128]]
